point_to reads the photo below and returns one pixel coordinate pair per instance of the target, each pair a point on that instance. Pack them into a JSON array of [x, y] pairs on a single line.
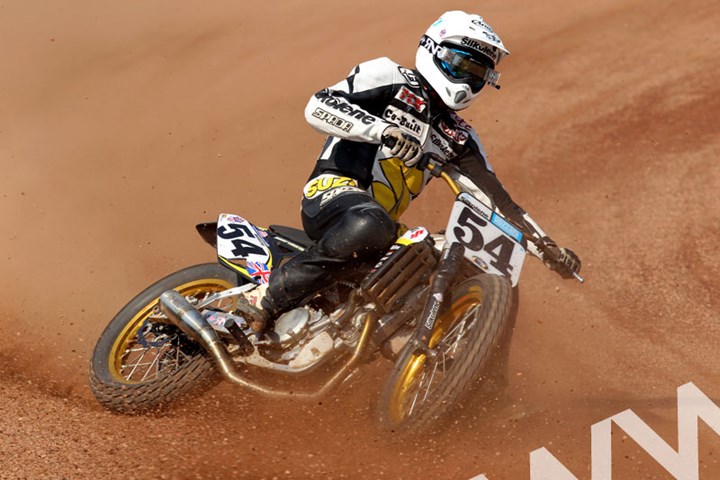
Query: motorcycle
[[437, 305]]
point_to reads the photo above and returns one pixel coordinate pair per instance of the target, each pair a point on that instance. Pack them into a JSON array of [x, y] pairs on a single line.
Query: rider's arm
[[352, 108], [479, 173]]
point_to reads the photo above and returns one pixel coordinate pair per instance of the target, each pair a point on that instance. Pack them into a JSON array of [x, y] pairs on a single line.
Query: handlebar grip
[[390, 142]]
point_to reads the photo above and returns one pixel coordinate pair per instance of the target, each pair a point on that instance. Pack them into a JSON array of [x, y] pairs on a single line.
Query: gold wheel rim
[[401, 401], [129, 333]]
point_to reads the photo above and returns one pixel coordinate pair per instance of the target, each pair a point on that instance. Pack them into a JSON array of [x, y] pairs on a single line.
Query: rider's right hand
[[402, 145]]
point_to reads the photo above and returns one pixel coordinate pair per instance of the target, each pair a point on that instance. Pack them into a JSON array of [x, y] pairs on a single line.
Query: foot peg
[[246, 348]]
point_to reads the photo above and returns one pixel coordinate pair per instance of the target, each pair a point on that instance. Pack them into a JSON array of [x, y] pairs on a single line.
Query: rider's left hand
[[561, 260], [568, 263]]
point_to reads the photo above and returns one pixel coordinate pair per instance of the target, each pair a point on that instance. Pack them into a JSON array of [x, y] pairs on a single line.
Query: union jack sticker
[[259, 270]]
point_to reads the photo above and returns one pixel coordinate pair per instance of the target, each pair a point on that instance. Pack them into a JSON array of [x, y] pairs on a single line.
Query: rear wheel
[[423, 386], [142, 363]]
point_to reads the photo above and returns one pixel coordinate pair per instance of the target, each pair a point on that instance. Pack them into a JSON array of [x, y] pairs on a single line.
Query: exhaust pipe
[[191, 322]]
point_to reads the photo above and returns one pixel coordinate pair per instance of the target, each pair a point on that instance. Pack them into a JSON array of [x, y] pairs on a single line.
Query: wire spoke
[[417, 394], [430, 381], [129, 376], [168, 355], [432, 376], [158, 348], [457, 333], [154, 362]]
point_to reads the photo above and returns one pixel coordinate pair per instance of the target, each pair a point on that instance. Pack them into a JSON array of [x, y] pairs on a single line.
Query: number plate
[[490, 241], [237, 238]]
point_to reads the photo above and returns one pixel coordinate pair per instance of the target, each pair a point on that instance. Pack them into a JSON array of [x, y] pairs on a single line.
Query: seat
[[295, 235]]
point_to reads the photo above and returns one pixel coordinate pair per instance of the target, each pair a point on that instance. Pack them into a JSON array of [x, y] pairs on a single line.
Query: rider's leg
[[359, 235], [350, 230]]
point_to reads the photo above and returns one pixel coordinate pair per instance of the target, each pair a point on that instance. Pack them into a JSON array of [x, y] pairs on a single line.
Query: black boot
[[259, 319]]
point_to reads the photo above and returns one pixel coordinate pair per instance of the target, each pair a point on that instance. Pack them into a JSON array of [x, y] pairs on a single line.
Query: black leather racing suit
[[357, 190]]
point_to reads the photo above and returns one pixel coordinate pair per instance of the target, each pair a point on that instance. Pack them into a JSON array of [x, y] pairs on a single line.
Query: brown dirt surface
[[122, 124]]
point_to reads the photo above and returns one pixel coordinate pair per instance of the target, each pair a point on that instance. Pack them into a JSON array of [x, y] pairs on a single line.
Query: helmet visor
[[461, 65]]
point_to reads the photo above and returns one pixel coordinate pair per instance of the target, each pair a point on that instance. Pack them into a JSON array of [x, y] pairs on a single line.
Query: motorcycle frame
[[191, 322]]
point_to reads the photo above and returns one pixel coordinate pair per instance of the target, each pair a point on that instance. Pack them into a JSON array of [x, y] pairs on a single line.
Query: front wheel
[[141, 363], [422, 387]]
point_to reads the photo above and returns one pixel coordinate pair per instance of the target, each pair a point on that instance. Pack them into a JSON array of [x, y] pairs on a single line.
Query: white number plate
[[237, 238], [490, 241]]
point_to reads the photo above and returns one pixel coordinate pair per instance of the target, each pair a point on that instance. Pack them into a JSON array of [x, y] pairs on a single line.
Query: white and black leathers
[[357, 190], [380, 93]]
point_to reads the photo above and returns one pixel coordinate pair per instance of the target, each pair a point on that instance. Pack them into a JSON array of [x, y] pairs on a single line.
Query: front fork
[[448, 267]]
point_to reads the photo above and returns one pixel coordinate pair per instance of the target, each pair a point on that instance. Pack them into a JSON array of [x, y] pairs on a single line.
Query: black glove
[[402, 145], [568, 263], [561, 260]]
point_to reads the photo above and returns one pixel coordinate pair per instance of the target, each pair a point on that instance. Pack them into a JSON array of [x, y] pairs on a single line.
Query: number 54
[[469, 232]]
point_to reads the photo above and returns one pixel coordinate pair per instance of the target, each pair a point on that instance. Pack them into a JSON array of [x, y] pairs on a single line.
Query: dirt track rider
[[437, 304]]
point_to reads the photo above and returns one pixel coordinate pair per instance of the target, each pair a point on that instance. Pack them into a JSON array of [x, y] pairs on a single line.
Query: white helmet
[[457, 57]]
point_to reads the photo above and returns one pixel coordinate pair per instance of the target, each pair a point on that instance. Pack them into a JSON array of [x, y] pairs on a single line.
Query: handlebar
[[436, 165]]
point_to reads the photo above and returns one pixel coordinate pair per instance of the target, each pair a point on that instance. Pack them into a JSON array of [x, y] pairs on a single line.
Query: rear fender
[[208, 232]]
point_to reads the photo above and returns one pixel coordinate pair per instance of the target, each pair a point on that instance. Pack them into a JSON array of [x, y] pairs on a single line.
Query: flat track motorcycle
[[436, 304]]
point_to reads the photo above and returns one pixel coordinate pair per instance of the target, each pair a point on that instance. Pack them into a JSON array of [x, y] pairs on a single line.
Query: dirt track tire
[[131, 334], [483, 304]]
